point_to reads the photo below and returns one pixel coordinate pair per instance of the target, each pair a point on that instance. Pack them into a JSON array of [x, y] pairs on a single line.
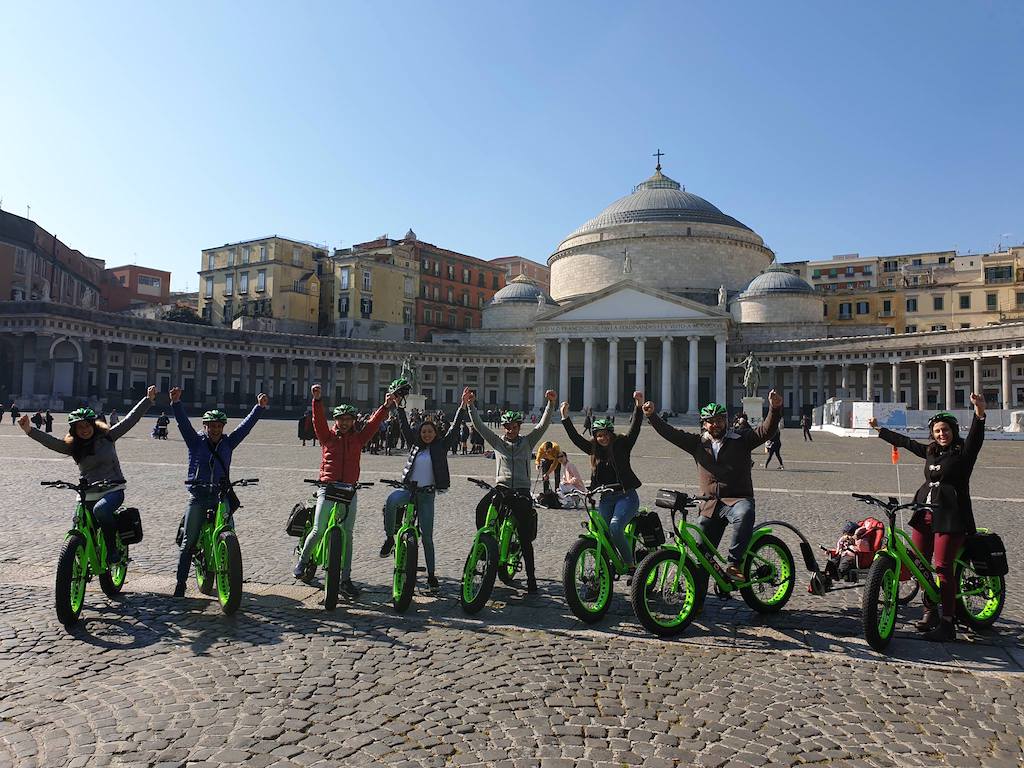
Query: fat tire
[[73, 548], [878, 639], [332, 580], [638, 593], [232, 573], [490, 551], [572, 597], [206, 581], [507, 570], [965, 616], [112, 585], [750, 597], [406, 572]]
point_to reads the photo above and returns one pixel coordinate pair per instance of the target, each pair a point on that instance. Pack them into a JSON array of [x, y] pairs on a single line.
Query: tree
[[182, 314]]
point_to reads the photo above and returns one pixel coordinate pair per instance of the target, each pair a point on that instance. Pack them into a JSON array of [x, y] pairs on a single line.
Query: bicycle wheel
[[770, 564], [229, 572], [980, 599], [507, 570], [479, 573], [664, 593], [587, 581], [205, 577], [72, 574], [880, 602], [404, 582], [334, 544], [112, 581]]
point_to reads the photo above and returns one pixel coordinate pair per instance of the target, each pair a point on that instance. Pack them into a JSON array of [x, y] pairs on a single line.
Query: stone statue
[[409, 372], [721, 297], [751, 375], [627, 263]]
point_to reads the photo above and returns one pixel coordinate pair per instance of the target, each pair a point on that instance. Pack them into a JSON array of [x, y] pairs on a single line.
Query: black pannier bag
[[129, 525], [987, 554], [668, 499], [298, 518], [181, 531], [649, 529], [343, 492]]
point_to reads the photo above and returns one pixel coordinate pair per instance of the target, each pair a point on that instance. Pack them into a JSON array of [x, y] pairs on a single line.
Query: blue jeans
[[323, 511], [424, 513], [103, 511], [200, 501], [618, 509], [741, 515]]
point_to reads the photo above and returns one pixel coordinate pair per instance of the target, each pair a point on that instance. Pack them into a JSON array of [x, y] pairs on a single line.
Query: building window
[[480, 301], [231, 257], [912, 304], [243, 283], [210, 261], [408, 288], [465, 275], [245, 254], [890, 266], [965, 301], [437, 269], [426, 265], [451, 295], [229, 285], [1003, 274], [480, 279], [1020, 299], [938, 327], [467, 322], [344, 278], [366, 307], [910, 329], [965, 325], [495, 282], [887, 306], [991, 302], [465, 298], [209, 287], [428, 317], [451, 320], [451, 271], [343, 306], [263, 253], [867, 269], [367, 280], [19, 260], [261, 280], [148, 281], [297, 256], [845, 310], [862, 308], [407, 315], [937, 303]]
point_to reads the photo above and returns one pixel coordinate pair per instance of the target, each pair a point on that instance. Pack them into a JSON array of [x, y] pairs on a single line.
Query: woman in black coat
[[941, 531]]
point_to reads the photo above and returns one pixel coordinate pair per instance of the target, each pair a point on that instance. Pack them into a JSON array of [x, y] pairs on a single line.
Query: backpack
[[299, 518], [549, 499]]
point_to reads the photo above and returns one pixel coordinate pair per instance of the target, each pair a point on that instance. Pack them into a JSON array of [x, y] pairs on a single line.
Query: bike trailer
[[343, 492], [870, 533], [129, 525], [668, 499], [299, 518], [987, 554], [649, 528]]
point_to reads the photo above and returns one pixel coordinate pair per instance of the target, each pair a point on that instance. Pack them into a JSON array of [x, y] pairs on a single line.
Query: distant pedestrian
[[113, 418], [48, 419], [3, 409], [774, 448], [15, 413], [588, 420], [805, 424]]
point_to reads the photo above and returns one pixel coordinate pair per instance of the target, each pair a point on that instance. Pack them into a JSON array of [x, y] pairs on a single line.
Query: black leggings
[[525, 516]]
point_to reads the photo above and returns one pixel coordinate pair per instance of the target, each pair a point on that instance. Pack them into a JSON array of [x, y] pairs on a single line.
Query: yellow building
[[271, 284], [375, 288]]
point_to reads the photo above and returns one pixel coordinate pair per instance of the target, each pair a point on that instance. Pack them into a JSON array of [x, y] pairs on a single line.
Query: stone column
[[151, 368], [224, 379], [819, 382], [869, 384], [175, 367], [976, 386], [538, 373], [1004, 384], [720, 370], [102, 353], [482, 378], [563, 369], [922, 387], [245, 392], [126, 374], [798, 391], [692, 406], [588, 373], [332, 380], [613, 374], [375, 384], [666, 374], [268, 378], [894, 375], [640, 380], [844, 381], [948, 405], [81, 387]]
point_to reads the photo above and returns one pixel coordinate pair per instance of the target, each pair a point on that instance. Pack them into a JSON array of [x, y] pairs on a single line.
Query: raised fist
[[774, 400], [315, 391], [564, 410], [151, 393], [262, 400], [638, 398], [23, 423], [551, 396], [175, 394], [648, 408]]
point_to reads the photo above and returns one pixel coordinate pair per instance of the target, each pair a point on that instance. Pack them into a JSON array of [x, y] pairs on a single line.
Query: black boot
[[945, 632], [930, 618]]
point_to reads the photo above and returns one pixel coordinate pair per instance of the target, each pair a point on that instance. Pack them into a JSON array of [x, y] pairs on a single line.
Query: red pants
[[941, 549]]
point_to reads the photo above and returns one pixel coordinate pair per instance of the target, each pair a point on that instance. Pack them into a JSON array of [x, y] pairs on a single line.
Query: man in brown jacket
[[723, 471]]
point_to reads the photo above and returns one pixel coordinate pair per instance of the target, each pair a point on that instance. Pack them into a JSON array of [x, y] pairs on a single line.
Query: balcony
[[845, 316], [886, 313]]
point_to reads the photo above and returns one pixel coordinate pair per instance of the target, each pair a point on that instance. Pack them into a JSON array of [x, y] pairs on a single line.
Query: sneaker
[[433, 584], [387, 546], [734, 572], [300, 569], [348, 589], [179, 589]]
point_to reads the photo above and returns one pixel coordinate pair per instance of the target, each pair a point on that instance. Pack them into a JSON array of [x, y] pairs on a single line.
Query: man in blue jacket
[[209, 460]]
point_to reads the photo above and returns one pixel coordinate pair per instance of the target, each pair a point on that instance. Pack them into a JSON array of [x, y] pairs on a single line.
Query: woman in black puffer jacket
[[939, 533]]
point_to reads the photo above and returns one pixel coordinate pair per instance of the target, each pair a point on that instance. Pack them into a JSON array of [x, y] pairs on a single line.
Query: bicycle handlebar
[[892, 505], [81, 485], [480, 483], [222, 483], [325, 483]]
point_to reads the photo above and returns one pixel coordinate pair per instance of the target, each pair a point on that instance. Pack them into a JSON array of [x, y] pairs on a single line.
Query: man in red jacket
[[341, 449]]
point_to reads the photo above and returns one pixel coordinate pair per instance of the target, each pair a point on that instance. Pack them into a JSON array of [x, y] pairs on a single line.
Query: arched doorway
[[63, 355]]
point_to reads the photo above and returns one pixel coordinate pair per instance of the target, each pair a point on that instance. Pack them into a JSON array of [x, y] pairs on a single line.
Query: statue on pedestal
[[409, 372], [751, 375]]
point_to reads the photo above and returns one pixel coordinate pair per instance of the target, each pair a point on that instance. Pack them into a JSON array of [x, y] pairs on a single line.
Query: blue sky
[[144, 132]]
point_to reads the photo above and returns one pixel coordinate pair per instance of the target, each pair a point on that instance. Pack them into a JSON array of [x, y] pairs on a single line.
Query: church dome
[[521, 289], [659, 199], [776, 279]]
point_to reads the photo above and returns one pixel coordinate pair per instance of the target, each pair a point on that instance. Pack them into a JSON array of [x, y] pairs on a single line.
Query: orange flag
[[895, 455]]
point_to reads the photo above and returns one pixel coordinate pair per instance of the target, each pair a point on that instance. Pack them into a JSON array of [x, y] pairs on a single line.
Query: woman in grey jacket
[[90, 442]]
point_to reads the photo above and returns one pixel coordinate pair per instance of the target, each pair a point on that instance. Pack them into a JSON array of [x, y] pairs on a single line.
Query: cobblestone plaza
[[148, 680]]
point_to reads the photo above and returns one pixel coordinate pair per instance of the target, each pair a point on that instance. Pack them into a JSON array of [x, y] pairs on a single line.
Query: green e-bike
[[407, 539], [495, 552]]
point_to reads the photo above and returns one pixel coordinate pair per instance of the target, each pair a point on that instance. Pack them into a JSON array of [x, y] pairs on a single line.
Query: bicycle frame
[[212, 529], [95, 544], [503, 533], [320, 552], [711, 565], [597, 529]]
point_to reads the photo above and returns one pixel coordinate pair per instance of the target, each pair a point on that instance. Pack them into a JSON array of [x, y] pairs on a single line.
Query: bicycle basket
[[343, 492], [299, 518], [668, 499], [987, 554], [649, 529], [129, 525]]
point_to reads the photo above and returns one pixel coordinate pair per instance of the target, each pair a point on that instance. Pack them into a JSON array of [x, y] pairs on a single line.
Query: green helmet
[[711, 410], [82, 414], [512, 417], [344, 410], [602, 423], [947, 417], [215, 415], [400, 387]]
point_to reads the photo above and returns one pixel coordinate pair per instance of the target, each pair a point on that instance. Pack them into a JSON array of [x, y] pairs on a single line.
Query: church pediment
[[629, 301]]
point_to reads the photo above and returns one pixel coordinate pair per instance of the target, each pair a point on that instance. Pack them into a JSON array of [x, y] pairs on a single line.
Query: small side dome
[[410, 235], [521, 289], [776, 279]]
